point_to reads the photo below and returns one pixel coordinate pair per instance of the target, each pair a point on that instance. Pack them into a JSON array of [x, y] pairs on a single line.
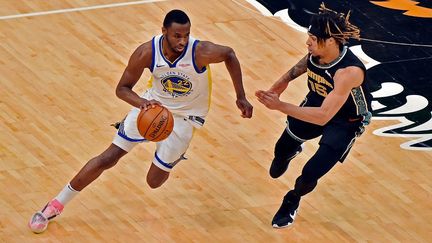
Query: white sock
[[66, 194]]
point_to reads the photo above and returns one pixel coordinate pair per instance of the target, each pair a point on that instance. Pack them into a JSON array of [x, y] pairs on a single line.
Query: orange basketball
[[155, 124]]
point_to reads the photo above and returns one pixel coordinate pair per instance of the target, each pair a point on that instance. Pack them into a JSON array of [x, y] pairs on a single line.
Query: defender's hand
[[269, 98]]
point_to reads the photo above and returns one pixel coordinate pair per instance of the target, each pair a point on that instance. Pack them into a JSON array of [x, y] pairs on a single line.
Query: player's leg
[[123, 142], [290, 143], [335, 143], [92, 170], [94, 167], [286, 149], [156, 176], [322, 161], [170, 151]]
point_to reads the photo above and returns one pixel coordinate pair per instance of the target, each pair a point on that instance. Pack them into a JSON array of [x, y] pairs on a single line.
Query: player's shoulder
[[210, 48], [352, 75], [351, 70], [145, 48], [204, 45], [143, 52], [142, 56]]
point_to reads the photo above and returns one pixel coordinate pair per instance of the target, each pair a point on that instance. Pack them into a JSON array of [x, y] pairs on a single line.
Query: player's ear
[[164, 31], [331, 41]]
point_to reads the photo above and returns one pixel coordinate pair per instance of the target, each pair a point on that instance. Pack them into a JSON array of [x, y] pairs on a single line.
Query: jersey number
[[318, 88]]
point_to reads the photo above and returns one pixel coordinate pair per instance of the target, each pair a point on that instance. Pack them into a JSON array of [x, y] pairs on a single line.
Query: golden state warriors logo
[[176, 84]]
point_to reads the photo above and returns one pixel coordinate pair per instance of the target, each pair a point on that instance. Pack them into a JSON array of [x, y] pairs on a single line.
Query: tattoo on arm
[[297, 70]]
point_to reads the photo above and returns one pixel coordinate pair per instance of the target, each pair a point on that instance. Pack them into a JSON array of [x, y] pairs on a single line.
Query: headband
[[318, 32]]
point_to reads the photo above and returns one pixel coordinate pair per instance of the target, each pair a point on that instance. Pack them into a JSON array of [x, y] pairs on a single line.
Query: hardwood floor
[[58, 74]]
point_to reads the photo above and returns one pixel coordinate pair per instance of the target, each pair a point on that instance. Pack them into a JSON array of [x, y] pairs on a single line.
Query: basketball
[[155, 124]]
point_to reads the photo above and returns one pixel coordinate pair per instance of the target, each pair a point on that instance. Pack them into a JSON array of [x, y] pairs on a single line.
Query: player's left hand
[[245, 107], [269, 98]]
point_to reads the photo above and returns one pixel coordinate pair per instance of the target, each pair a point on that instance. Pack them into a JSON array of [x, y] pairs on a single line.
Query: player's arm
[[282, 83], [139, 60], [345, 80], [208, 52]]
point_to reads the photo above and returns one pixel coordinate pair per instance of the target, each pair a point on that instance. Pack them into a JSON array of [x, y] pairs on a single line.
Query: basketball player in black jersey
[[336, 108]]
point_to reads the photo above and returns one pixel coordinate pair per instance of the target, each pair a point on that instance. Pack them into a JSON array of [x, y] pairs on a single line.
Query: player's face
[[316, 48], [177, 36], [313, 46]]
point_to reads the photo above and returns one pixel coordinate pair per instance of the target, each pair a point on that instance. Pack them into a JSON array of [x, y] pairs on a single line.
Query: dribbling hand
[[147, 104]]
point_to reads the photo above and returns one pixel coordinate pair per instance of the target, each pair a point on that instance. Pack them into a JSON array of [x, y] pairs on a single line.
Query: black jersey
[[321, 83]]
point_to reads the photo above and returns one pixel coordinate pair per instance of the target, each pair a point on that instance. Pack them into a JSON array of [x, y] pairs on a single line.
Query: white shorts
[[169, 151]]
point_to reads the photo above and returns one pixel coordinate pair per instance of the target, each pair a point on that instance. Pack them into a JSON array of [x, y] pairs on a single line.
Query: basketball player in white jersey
[[181, 82]]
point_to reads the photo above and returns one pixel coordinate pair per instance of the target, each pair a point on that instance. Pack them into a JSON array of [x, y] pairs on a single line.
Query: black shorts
[[339, 135]]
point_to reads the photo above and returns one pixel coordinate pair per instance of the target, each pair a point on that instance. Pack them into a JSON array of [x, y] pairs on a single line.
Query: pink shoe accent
[[55, 207], [39, 221]]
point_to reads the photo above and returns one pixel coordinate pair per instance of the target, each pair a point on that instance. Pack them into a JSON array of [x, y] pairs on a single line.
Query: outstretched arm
[[345, 80], [140, 59], [208, 52]]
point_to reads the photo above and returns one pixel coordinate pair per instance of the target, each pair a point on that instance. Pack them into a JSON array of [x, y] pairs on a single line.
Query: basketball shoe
[[286, 214], [279, 166], [39, 222]]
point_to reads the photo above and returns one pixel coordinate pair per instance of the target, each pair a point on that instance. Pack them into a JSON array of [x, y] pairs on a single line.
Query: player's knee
[[286, 149], [106, 162], [153, 184], [109, 157], [156, 181], [307, 177]]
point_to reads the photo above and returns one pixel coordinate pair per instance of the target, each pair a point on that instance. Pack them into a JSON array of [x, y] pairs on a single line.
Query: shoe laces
[[288, 206], [38, 217], [50, 211]]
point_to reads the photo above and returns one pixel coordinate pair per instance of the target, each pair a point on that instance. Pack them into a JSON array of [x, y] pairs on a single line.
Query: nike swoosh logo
[[293, 215], [160, 65]]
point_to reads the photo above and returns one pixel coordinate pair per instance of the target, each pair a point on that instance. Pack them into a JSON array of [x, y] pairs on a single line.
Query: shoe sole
[[281, 227], [37, 230], [289, 224]]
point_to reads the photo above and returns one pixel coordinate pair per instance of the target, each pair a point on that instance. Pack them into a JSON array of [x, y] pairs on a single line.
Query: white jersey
[[180, 86]]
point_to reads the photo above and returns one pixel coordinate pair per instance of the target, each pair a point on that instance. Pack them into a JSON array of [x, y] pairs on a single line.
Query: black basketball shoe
[[279, 166], [286, 214]]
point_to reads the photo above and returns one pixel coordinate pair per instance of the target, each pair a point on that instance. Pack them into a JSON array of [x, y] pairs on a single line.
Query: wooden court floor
[[58, 72]]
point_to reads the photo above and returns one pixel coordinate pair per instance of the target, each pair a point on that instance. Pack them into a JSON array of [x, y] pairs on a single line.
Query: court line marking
[[68, 10]]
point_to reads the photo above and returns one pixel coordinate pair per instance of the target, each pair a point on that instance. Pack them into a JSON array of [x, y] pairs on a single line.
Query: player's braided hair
[[329, 23]]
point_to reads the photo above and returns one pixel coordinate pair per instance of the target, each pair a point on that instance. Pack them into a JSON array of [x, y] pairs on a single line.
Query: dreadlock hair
[[329, 23]]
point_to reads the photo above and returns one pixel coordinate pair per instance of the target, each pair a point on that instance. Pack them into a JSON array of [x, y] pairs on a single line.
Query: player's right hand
[[147, 104], [269, 98]]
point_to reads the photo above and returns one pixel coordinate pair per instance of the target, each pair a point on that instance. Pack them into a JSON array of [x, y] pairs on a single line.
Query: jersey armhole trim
[[193, 58], [153, 55]]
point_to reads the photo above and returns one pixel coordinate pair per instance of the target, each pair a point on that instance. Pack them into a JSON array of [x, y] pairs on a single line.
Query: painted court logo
[[410, 7], [397, 48]]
